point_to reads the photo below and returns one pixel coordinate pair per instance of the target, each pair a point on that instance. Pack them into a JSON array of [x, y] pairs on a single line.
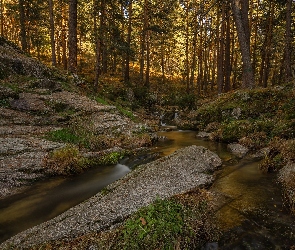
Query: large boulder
[[178, 173]]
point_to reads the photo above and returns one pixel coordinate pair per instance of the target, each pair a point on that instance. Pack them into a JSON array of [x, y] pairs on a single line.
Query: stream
[[250, 209]]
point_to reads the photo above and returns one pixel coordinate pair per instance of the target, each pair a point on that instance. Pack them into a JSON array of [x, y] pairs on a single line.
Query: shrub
[[64, 161], [234, 130]]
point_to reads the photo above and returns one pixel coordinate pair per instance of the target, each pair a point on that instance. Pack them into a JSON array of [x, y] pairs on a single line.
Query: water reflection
[[50, 198]]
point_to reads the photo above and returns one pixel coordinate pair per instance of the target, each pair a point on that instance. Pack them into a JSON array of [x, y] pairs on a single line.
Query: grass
[[63, 135], [185, 221]]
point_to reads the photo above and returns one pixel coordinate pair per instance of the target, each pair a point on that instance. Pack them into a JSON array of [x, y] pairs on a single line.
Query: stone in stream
[[177, 173]]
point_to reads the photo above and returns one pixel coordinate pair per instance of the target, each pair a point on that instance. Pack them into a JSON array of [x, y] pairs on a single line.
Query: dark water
[[251, 210]]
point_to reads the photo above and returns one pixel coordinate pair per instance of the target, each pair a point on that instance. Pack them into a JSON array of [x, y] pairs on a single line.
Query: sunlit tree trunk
[[163, 59], [227, 54], [23, 33], [64, 39], [266, 50], [52, 32], [127, 62], [2, 18], [240, 12], [72, 66]]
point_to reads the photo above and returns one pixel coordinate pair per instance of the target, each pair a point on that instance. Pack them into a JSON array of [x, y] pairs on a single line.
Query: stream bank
[[177, 173]]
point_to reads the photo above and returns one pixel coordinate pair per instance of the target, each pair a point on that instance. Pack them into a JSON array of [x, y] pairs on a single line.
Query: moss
[[64, 161], [63, 135]]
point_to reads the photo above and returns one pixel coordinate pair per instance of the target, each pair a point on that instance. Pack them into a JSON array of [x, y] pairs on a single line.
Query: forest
[[147, 124], [204, 47]]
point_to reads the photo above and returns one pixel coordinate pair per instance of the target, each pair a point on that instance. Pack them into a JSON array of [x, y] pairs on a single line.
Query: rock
[[178, 173], [238, 149], [30, 102], [287, 178], [261, 153], [204, 135]]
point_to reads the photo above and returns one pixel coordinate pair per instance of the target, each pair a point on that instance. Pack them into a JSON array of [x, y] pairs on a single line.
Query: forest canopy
[[206, 46]]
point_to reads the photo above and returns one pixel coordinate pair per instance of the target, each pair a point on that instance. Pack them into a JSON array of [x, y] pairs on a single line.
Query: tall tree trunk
[[145, 43], [288, 51], [2, 18], [163, 59], [127, 63], [104, 52], [148, 60], [187, 46], [23, 33], [220, 50], [52, 32], [72, 67], [97, 47], [267, 46], [227, 61], [242, 25]]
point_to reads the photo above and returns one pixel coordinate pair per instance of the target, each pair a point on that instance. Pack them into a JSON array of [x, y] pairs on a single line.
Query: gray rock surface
[[238, 149], [180, 172]]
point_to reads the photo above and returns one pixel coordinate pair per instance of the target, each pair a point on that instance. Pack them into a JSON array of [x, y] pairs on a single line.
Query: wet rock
[[287, 178], [238, 149], [260, 153], [204, 135], [178, 173]]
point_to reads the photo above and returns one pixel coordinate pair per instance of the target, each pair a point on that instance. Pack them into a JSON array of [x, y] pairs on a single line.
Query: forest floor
[[49, 127]]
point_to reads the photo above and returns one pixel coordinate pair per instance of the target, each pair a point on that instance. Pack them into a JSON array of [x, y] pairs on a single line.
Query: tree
[[72, 67], [52, 31], [240, 12], [128, 43], [288, 38], [23, 32]]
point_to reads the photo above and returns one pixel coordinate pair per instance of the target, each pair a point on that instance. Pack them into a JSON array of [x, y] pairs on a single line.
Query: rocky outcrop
[[180, 172], [238, 149], [30, 115]]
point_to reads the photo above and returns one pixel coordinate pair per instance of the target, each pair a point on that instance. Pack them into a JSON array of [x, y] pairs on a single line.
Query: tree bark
[[72, 65], [23, 33], [288, 38], [227, 61], [52, 32], [127, 63], [242, 25], [220, 50], [2, 18]]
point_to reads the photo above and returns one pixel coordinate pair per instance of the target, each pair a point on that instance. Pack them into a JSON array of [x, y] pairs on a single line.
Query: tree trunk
[[52, 31], [97, 48], [242, 25], [2, 18], [288, 38], [220, 50], [23, 33], [72, 66], [163, 59], [227, 63], [127, 63]]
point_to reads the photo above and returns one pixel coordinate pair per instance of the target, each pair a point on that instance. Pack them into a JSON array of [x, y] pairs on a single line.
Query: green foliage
[[155, 227], [234, 130], [111, 158], [101, 100], [4, 102], [63, 135], [126, 113], [184, 222], [64, 161]]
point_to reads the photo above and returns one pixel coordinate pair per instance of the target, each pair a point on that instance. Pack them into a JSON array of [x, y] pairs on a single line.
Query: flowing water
[[250, 208]]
